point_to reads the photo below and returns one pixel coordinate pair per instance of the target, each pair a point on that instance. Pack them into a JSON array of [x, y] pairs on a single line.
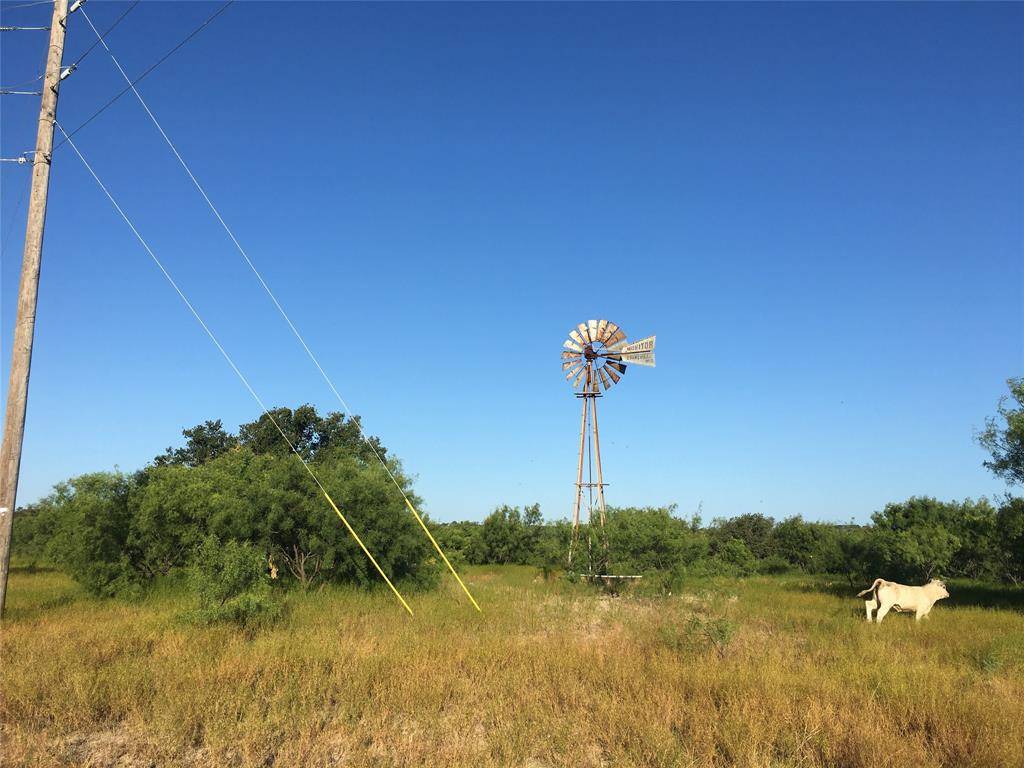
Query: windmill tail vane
[[595, 357]]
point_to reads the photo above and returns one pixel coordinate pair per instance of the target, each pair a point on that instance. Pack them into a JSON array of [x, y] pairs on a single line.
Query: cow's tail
[[869, 590]]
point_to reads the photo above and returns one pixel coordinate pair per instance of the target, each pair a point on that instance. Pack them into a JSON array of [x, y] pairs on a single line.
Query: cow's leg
[[869, 605], [883, 609]]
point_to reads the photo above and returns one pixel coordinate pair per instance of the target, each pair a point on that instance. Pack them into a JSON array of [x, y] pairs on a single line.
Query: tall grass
[[774, 671]]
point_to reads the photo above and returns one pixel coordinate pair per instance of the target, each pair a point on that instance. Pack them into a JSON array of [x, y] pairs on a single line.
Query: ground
[[772, 671]]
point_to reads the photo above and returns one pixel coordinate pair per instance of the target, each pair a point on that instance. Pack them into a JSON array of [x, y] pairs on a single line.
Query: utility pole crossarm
[[28, 292]]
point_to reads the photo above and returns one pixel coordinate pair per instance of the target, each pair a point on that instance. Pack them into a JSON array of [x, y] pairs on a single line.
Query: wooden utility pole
[[28, 292]]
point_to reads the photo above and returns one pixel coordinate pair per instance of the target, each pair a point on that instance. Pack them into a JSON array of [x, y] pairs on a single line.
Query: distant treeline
[[226, 502], [912, 540]]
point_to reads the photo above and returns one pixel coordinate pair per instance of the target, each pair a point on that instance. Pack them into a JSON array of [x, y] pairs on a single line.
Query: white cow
[[888, 594]]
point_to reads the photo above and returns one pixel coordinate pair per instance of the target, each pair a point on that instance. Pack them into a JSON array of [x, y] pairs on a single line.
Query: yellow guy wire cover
[[440, 551], [367, 553]]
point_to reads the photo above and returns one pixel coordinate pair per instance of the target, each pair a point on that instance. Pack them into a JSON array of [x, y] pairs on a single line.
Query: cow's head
[[940, 587]]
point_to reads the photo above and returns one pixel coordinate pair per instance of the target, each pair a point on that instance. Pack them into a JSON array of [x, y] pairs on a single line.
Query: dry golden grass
[[550, 675]]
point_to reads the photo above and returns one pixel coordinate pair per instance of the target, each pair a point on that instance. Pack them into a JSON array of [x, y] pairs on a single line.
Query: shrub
[[773, 566], [230, 583], [735, 555], [90, 520], [650, 538]]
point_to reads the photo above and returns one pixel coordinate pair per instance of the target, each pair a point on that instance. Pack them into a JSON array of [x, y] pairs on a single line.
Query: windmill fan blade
[[604, 378], [609, 330], [602, 330], [592, 329], [575, 335], [570, 344], [615, 365], [571, 353], [573, 372], [570, 363], [584, 332], [578, 379], [614, 373], [616, 340]]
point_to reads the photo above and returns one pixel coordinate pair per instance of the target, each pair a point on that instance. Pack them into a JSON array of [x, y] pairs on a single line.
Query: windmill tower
[[595, 359]]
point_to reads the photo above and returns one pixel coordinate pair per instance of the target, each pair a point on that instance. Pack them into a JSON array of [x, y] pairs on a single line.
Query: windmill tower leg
[[579, 486], [600, 476]]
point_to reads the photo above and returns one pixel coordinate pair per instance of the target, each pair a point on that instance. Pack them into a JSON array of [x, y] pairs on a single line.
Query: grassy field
[[779, 671]]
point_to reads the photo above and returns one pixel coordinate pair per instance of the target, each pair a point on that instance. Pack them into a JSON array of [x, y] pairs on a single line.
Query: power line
[[137, 80], [42, 66], [25, 5], [281, 310], [35, 79], [231, 363], [110, 29]]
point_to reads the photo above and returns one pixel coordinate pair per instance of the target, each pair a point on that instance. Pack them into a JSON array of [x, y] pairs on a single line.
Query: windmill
[[595, 359]]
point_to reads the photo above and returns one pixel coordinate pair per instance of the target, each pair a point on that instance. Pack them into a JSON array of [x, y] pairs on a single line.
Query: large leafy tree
[[309, 433], [811, 547], [913, 539], [651, 538], [112, 531], [753, 529], [203, 442], [1003, 435], [1010, 533], [91, 518]]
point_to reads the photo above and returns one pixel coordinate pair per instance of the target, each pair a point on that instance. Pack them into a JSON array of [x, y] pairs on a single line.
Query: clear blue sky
[[816, 207]]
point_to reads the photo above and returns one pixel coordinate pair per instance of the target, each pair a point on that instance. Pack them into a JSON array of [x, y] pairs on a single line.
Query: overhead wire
[[110, 102], [110, 29], [25, 5], [281, 310], [231, 362], [35, 79], [42, 65]]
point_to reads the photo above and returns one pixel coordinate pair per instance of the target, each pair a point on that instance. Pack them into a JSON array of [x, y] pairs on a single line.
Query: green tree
[[1003, 436], [811, 547], [1010, 535], [737, 558], [504, 536], [754, 530], [913, 539], [113, 532], [311, 540], [91, 519], [203, 442], [34, 527], [651, 538], [309, 433], [230, 582], [462, 542], [854, 553]]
